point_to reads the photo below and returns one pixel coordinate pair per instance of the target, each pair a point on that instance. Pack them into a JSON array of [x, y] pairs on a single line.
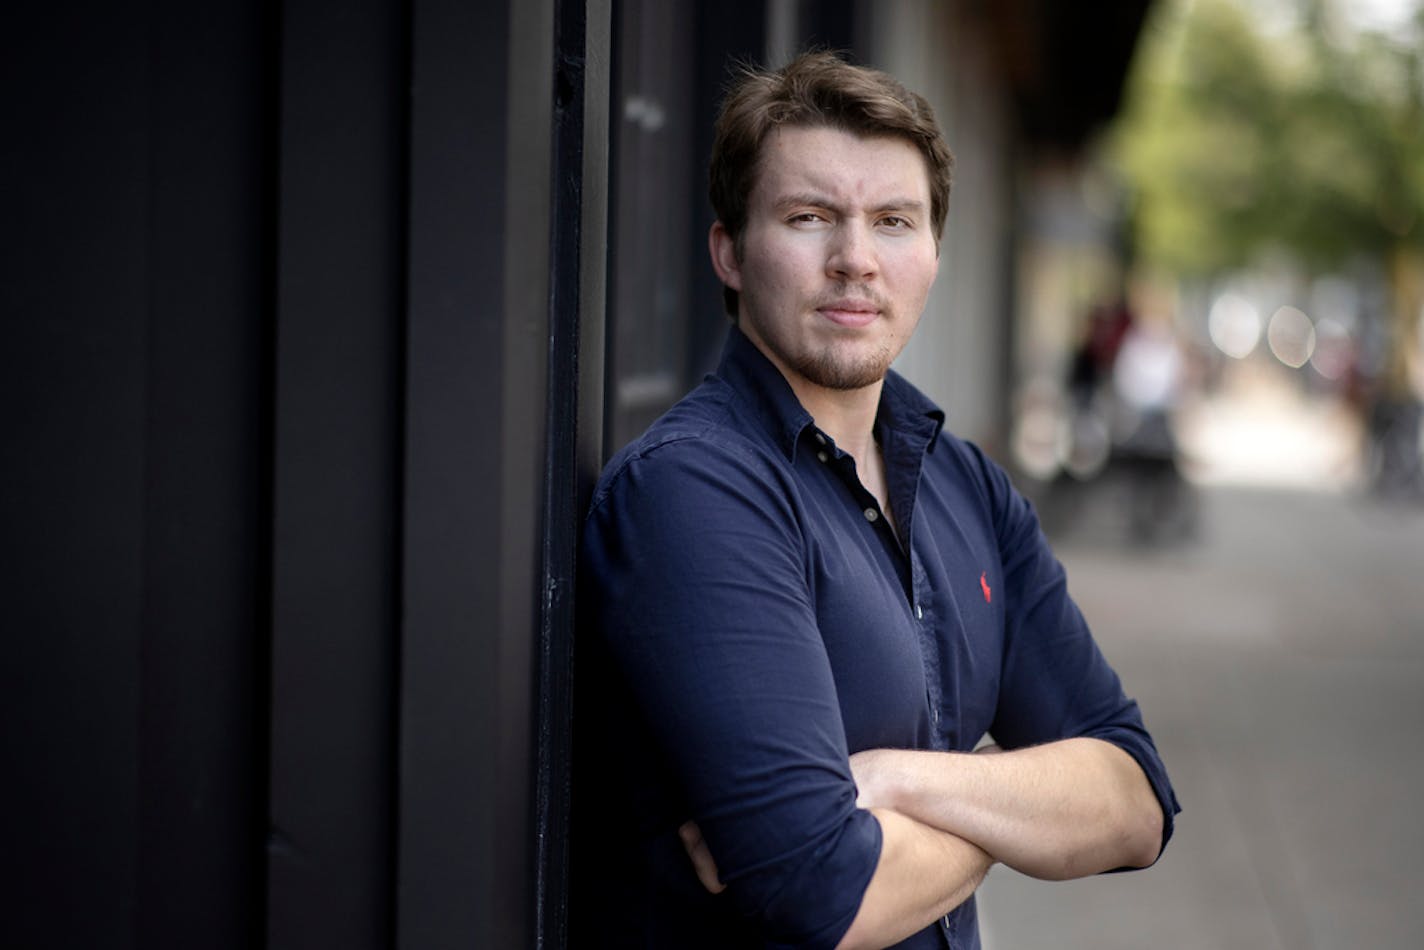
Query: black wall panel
[[450, 867], [287, 618], [339, 337], [133, 360], [75, 304], [202, 743]]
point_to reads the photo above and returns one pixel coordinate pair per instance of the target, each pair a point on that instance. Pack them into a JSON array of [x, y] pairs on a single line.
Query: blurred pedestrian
[[1148, 378]]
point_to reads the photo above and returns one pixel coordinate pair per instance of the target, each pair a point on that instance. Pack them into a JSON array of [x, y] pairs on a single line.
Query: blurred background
[[1224, 428], [322, 315], [1219, 400]]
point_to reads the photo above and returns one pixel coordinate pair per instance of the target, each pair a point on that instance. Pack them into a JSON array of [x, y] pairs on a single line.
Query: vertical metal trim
[[578, 219]]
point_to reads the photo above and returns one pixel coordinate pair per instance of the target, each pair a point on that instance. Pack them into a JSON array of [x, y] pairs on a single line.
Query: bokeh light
[[1334, 350], [1234, 325], [1291, 336]]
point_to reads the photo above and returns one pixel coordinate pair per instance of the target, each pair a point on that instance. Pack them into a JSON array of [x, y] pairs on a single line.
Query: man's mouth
[[849, 312]]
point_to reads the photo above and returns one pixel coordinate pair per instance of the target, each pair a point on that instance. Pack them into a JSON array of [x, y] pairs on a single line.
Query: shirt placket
[[925, 620], [918, 594]]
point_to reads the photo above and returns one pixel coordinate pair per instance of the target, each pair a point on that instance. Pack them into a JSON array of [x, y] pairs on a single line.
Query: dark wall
[[279, 299], [337, 394], [135, 314]]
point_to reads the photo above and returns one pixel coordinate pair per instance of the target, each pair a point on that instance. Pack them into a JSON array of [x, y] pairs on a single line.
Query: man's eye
[[806, 217], [895, 221]]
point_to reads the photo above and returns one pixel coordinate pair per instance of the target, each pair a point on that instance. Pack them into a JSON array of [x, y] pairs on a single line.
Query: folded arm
[[1060, 810], [922, 874]]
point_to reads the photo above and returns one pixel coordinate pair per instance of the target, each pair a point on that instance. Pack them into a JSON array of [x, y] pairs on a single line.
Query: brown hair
[[816, 89]]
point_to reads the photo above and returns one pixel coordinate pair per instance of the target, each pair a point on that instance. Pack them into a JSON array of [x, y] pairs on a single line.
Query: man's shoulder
[[709, 431]]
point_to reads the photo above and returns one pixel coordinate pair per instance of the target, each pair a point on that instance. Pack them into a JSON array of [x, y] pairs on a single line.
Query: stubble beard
[[831, 370]]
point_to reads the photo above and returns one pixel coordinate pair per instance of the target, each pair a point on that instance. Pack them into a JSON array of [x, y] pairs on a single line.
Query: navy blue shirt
[[751, 619]]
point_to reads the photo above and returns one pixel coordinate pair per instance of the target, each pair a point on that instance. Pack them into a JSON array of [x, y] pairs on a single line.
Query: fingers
[[702, 862]]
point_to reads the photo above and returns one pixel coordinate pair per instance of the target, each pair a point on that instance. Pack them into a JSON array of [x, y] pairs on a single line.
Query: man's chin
[[830, 374]]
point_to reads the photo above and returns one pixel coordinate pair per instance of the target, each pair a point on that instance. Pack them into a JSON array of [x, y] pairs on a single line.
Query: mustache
[[859, 293]]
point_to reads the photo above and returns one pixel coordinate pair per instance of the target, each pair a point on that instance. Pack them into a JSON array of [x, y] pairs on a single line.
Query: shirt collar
[[903, 408]]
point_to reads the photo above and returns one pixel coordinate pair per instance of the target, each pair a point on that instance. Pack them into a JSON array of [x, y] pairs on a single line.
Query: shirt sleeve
[[701, 594], [1056, 683]]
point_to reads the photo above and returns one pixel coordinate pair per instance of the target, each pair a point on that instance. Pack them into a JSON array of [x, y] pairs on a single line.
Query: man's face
[[837, 255]]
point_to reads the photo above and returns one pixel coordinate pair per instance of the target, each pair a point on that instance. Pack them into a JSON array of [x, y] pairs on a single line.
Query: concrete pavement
[[1279, 660]]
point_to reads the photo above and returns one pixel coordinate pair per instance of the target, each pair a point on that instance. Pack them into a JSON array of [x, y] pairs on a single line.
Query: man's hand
[[702, 862]]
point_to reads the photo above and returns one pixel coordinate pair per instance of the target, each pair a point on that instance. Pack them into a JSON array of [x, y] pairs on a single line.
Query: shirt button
[[823, 456], [936, 715], [919, 612], [820, 438], [871, 514]]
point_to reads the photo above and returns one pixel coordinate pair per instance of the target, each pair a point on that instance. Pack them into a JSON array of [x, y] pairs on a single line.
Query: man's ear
[[724, 256]]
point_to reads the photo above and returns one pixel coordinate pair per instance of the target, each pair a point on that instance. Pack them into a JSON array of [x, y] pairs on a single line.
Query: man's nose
[[852, 253]]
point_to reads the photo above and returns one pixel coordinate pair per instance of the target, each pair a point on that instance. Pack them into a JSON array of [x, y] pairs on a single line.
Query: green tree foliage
[[1243, 136]]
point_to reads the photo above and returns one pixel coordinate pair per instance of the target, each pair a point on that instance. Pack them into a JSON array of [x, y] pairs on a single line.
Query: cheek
[[916, 275], [928, 271], [775, 268]]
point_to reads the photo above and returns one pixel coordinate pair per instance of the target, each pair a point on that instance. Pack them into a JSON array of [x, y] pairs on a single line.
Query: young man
[[807, 603]]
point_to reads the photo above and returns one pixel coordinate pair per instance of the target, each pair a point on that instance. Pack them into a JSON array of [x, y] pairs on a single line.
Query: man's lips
[[849, 313]]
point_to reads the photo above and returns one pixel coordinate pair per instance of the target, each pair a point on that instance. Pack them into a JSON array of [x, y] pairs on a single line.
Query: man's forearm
[[923, 873], [1061, 810]]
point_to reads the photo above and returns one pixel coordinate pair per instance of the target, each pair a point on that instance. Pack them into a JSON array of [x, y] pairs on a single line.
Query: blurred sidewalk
[[1278, 656]]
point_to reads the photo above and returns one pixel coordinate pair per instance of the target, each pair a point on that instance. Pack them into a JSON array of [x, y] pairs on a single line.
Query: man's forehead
[[797, 159]]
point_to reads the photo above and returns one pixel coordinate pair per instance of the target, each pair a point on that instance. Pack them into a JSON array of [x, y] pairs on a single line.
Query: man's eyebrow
[[816, 199], [909, 205], [813, 198]]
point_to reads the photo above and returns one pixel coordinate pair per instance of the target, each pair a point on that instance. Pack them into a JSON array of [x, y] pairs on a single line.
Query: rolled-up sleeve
[[696, 565], [1056, 683]]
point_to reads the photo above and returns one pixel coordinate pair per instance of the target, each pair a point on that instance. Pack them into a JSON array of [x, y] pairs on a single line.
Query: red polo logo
[[984, 586]]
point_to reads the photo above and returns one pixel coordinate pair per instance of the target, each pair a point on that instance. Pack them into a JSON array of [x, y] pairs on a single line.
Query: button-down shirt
[[752, 618]]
